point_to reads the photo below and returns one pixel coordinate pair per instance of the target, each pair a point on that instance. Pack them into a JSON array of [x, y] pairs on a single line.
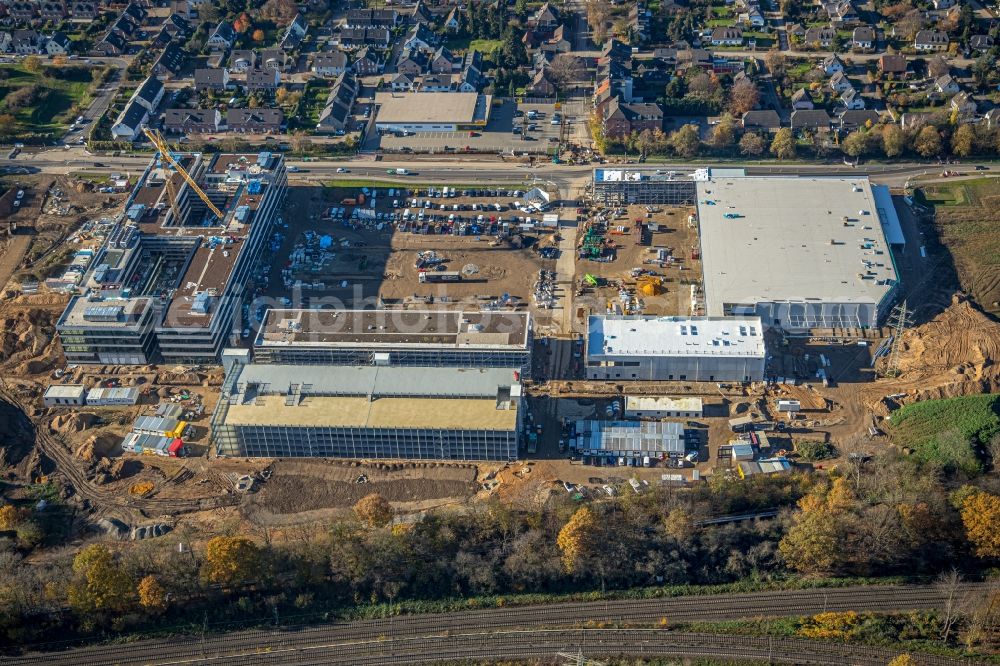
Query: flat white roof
[[65, 391], [428, 107], [646, 403], [610, 335], [792, 239]]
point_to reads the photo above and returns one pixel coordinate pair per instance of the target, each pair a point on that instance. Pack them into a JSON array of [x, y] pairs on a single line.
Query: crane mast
[[161, 145]]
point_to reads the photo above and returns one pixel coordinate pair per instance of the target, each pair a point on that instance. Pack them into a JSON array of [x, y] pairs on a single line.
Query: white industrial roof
[[428, 107], [65, 391], [637, 437], [792, 239], [646, 403], [674, 336]]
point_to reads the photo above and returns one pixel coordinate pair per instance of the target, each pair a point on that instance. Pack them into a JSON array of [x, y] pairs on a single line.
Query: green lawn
[[56, 101], [948, 432], [485, 46]]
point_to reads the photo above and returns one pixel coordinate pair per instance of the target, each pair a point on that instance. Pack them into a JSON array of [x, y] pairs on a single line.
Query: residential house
[[6, 42], [441, 61], [148, 94], [263, 80], [401, 82], [254, 121], [840, 83], [134, 13], [435, 83], [546, 18], [767, 120], [559, 42], [334, 116], [727, 37], [638, 22], [84, 10], [367, 62], [820, 37], [127, 126], [211, 78], [58, 44], [420, 38], [163, 37], [452, 22], [616, 50], [170, 63], [178, 26], [863, 38], [853, 119], [330, 65], [222, 38], [371, 18], [894, 65], [796, 32], [240, 60], [801, 99], [992, 118], [831, 65], [981, 42], [852, 100], [275, 59], [192, 121], [21, 12], [946, 85], [943, 4], [841, 12], [541, 85], [931, 40], [294, 34], [27, 42], [412, 62], [52, 10], [816, 120], [623, 118], [468, 80], [125, 27], [421, 14], [356, 38], [964, 104], [112, 44]]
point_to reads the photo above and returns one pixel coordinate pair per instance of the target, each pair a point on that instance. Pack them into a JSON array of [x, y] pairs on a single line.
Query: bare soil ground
[[308, 490]]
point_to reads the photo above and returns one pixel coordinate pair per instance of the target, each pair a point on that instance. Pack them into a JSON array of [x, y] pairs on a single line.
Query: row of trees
[[882, 516], [727, 138]]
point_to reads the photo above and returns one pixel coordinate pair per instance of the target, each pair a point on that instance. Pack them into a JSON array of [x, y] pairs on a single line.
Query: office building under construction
[[172, 273]]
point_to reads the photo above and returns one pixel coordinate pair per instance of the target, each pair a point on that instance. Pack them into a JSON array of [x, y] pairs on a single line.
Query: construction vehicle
[[161, 145], [592, 280]]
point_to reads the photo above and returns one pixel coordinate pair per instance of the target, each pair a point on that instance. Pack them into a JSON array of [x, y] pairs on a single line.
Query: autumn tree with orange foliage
[[577, 539], [374, 510], [230, 561], [981, 518]]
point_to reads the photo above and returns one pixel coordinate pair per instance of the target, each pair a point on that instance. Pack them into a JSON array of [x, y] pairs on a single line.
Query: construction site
[[433, 248]]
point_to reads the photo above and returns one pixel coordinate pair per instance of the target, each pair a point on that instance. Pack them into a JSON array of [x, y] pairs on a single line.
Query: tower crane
[[161, 145]]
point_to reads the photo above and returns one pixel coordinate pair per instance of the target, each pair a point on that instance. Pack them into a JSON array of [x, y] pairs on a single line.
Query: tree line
[[875, 516]]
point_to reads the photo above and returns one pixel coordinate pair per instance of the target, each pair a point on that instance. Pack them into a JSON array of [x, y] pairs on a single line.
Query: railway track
[[238, 647], [546, 643]]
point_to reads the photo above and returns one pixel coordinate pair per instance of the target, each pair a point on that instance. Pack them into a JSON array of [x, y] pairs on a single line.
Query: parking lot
[[509, 130]]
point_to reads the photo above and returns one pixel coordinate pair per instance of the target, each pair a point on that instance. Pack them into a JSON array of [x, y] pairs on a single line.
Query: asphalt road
[[515, 632], [570, 178]]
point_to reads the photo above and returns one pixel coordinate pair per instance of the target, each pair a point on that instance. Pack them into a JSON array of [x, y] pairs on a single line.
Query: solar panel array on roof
[[103, 313]]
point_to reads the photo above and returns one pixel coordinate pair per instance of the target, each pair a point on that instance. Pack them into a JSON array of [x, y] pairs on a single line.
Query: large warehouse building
[[711, 349], [432, 111], [368, 412], [799, 253], [445, 338], [170, 277]]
